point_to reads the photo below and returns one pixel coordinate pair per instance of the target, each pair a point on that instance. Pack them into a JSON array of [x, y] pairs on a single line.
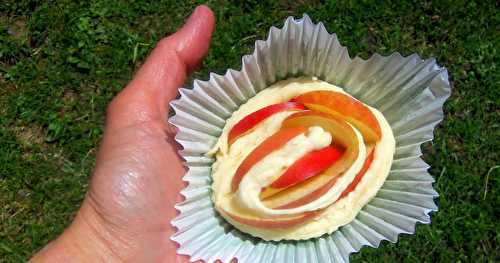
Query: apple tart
[[299, 160]]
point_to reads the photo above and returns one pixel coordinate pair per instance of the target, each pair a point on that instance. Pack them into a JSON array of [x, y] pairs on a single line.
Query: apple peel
[[246, 124]]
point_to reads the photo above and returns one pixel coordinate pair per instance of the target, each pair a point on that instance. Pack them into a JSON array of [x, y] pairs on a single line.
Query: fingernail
[[194, 14]]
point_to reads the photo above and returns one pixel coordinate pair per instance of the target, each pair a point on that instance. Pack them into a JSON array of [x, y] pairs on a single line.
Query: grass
[[62, 61]]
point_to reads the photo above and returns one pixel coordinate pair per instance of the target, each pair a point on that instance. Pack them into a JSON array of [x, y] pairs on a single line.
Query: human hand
[[127, 211]]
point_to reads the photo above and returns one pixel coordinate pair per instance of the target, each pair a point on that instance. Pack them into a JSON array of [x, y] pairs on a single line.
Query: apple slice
[[343, 136], [315, 187], [345, 107], [269, 145], [298, 194], [248, 122], [269, 223], [307, 166], [371, 154], [309, 197]]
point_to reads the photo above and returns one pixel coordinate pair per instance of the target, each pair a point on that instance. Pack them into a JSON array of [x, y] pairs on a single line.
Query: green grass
[[62, 61]]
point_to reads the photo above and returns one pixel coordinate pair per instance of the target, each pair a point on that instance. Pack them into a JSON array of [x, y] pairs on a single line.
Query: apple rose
[[307, 154]]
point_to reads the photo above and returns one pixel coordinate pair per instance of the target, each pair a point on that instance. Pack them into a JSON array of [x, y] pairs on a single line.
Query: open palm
[[138, 173]]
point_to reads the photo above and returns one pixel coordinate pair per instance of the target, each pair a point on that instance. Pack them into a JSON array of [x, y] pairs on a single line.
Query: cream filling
[[338, 213], [267, 170]]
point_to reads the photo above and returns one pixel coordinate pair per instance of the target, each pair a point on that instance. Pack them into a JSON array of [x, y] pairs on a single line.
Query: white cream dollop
[[267, 170]]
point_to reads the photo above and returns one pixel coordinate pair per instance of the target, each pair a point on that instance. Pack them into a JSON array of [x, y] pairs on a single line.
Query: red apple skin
[[360, 175], [308, 165], [269, 145], [311, 196], [315, 194], [345, 107], [272, 223], [343, 135], [251, 120]]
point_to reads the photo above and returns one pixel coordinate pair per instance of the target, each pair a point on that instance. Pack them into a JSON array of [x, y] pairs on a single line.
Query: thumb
[[156, 83]]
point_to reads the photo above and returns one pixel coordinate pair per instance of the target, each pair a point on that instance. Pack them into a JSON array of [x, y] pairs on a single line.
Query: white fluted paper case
[[409, 91]]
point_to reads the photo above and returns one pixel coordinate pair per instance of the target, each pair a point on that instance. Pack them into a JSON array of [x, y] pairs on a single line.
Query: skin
[[126, 213]]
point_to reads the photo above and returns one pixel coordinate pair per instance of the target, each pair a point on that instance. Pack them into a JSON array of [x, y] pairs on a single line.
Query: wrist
[[85, 240]]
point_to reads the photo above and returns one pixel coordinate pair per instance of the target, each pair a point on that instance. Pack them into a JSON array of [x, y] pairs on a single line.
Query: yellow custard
[[337, 213]]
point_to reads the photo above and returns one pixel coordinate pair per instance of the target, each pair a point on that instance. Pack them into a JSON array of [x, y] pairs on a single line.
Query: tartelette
[[299, 160]]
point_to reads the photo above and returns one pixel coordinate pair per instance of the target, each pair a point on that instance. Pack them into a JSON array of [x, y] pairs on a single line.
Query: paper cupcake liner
[[409, 91]]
